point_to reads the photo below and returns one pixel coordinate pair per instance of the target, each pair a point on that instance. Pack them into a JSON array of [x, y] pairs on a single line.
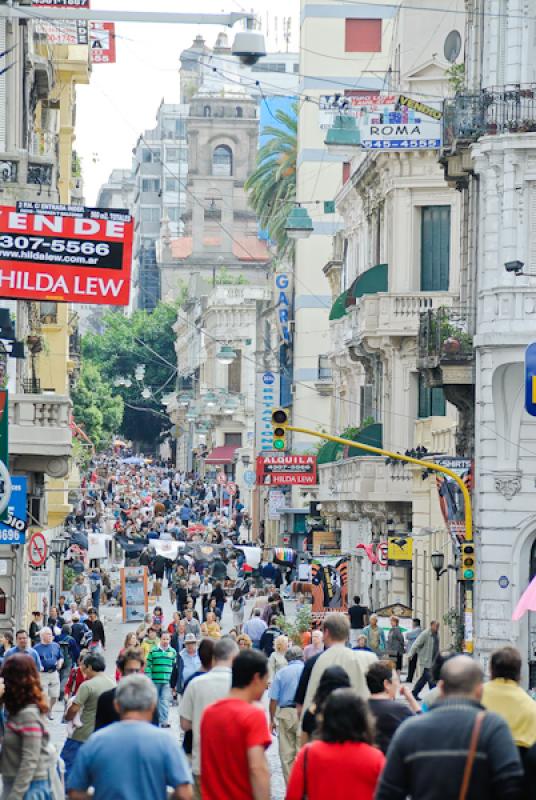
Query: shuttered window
[[431, 401], [435, 248]]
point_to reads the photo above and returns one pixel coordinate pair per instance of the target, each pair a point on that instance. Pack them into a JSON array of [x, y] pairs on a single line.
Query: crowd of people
[[221, 656]]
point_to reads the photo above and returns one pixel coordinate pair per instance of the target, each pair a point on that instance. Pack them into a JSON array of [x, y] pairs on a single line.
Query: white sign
[[39, 582], [387, 122], [382, 574], [266, 399], [4, 567], [283, 299], [276, 503]]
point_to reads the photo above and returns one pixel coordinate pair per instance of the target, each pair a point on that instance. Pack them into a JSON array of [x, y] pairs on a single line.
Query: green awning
[[329, 452], [372, 435], [338, 309], [371, 281]]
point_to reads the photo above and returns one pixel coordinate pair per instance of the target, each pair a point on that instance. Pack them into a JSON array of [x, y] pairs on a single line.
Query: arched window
[[239, 111], [222, 161], [206, 111]]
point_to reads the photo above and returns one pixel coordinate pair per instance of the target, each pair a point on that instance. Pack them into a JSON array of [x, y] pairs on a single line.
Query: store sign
[[400, 550], [387, 122], [67, 254], [276, 503], [283, 304], [102, 41], [61, 3], [267, 398], [13, 528], [451, 499], [290, 470], [530, 379]]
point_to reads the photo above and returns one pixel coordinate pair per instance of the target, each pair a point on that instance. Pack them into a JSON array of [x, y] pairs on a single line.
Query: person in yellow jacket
[[504, 695], [150, 642]]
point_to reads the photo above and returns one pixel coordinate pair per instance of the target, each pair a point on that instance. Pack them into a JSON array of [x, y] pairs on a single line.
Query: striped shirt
[[159, 665]]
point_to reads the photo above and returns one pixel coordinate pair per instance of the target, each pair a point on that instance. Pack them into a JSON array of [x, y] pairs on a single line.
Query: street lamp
[[343, 137], [210, 399], [57, 549], [146, 393], [299, 224], [245, 458], [226, 355]]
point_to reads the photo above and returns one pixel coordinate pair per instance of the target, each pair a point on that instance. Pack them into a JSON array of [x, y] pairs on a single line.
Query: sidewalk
[[115, 635]]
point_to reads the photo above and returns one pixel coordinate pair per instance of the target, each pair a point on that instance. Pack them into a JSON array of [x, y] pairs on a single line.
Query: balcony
[[40, 433], [27, 177], [394, 315], [366, 479], [446, 344]]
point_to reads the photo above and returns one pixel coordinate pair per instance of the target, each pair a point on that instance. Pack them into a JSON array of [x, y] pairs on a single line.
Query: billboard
[[102, 42], [289, 470], [13, 530], [63, 31], [387, 121], [451, 498], [61, 3], [68, 254]]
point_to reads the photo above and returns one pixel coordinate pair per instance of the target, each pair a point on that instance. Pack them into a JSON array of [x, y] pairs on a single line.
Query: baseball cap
[[190, 637]]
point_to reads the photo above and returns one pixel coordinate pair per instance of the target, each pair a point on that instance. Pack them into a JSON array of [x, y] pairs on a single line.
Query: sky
[[122, 99]]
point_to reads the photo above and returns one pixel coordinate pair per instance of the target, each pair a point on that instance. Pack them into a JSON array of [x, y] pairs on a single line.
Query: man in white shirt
[[202, 692]]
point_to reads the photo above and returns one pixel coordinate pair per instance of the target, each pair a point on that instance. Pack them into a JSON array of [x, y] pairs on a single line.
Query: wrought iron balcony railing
[[445, 337], [506, 109]]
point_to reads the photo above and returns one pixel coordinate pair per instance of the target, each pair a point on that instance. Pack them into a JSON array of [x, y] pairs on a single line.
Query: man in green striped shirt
[[159, 668]]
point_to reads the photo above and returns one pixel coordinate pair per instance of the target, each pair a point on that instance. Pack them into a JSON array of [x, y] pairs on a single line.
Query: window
[[150, 214], [48, 312], [206, 111], [222, 161], [275, 66], [239, 112], [232, 439], [296, 68], [431, 400], [172, 153], [173, 213], [234, 374], [172, 184], [324, 368], [150, 156], [435, 248], [150, 185], [363, 36]]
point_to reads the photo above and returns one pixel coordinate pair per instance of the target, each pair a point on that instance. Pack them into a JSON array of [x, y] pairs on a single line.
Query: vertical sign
[[102, 40], [134, 595], [266, 399], [530, 379], [13, 530], [4, 443]]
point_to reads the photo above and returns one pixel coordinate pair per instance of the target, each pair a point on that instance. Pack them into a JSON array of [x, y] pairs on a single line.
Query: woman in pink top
[[342, 763], [316, 647]]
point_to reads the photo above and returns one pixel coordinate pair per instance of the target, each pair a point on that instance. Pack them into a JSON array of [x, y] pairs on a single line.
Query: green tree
[[95, 408], [127, 342], [272, 186]]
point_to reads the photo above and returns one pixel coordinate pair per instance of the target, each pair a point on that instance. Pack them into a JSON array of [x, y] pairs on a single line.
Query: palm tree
[[272, 186]]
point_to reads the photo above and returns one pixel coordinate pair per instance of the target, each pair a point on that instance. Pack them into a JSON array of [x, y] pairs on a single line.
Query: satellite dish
[[453, 46]]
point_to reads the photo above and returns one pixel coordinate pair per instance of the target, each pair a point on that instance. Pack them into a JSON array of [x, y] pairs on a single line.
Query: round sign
[[37, 549], [231, 489], [222, 478], [268, 378], [381, 554], [250, 477], [504, 583]]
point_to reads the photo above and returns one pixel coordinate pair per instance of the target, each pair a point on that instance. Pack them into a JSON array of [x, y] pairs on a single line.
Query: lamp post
[[438, 561], [58, 548]]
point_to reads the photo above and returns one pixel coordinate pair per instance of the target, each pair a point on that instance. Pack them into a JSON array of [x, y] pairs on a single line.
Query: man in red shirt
[[235, 735]]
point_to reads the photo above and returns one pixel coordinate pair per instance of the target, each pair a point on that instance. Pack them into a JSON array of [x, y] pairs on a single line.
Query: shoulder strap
[[471, 754], [305, 754]]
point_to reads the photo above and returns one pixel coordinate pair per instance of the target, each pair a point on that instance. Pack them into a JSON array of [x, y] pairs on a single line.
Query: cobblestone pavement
[[116, 631]]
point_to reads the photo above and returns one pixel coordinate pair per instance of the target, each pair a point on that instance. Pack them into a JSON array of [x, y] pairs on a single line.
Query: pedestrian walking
[[332, 678], [201, 693], [150, 641], [129, 662], [283, 714], [411, 636], [268, 639], [358, 619], [395, 643], [151, 762], [426, 648], [238, 608], [317, 645], [25, 760], [255, 628], [277, 660], [455, 750], [343, 762], [36, 625], [375, 636], [235, 735], [51, 658], [95, 587], [22, 645], [159, 668], [387, 710], [98, 637], [188, 662], [85, 703]]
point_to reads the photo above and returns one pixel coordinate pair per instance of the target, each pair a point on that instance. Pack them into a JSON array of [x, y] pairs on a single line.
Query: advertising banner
[[61, 3], [267, 398], [13, 529], [102, 40], [134, 595], [450, 495], [63, 31], [286, 470], [68, 254], [399, 551], [387, 122]]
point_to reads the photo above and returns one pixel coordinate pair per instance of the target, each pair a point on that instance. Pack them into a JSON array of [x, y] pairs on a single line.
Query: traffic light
[[280, 420], [468, 562]]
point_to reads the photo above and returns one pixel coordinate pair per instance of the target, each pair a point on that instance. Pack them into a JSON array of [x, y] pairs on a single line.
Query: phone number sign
[[65, 253], [13, 530]]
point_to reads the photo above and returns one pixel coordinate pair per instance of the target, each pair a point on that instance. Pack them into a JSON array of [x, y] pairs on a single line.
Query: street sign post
[[231, 489], [37, 549], [38, 581], [222, 478]]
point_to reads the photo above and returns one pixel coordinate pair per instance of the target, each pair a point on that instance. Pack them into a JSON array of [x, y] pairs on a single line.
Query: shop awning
[[222, 455], [338, 309], [371, 281]]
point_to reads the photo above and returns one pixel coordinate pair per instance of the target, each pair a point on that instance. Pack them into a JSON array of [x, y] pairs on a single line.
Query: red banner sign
[[102, 41], [61, 3], [67, 254], [279, 470]]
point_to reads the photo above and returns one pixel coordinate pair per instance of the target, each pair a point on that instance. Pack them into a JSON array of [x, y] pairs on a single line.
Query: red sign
[[231, 489], [286, 470], [37, 549], [61, 3], [222, 478], [102, 42], [67, 254]]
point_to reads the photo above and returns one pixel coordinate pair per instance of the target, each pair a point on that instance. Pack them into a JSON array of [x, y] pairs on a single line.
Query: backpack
[[236, 605]]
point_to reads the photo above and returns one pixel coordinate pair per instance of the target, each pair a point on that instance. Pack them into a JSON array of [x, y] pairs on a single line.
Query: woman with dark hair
[[25, 759], [332, 678], [343, 762]]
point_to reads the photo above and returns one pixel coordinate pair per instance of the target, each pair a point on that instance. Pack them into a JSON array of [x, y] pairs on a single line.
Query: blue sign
[[13, 531], [503, 582], [530, 379], [268, 378], [250, 477]]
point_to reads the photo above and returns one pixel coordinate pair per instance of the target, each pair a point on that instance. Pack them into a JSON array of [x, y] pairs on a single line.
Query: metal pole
[[61, 14], [57, 559]]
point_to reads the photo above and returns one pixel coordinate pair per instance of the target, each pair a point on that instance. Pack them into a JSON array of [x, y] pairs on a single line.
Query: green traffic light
[[279, 444], [468, 574]]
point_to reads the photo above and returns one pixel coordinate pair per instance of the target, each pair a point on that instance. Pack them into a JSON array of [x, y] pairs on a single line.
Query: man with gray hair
[[148, 760], [282, 701], [432, 756], [202, 692]]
